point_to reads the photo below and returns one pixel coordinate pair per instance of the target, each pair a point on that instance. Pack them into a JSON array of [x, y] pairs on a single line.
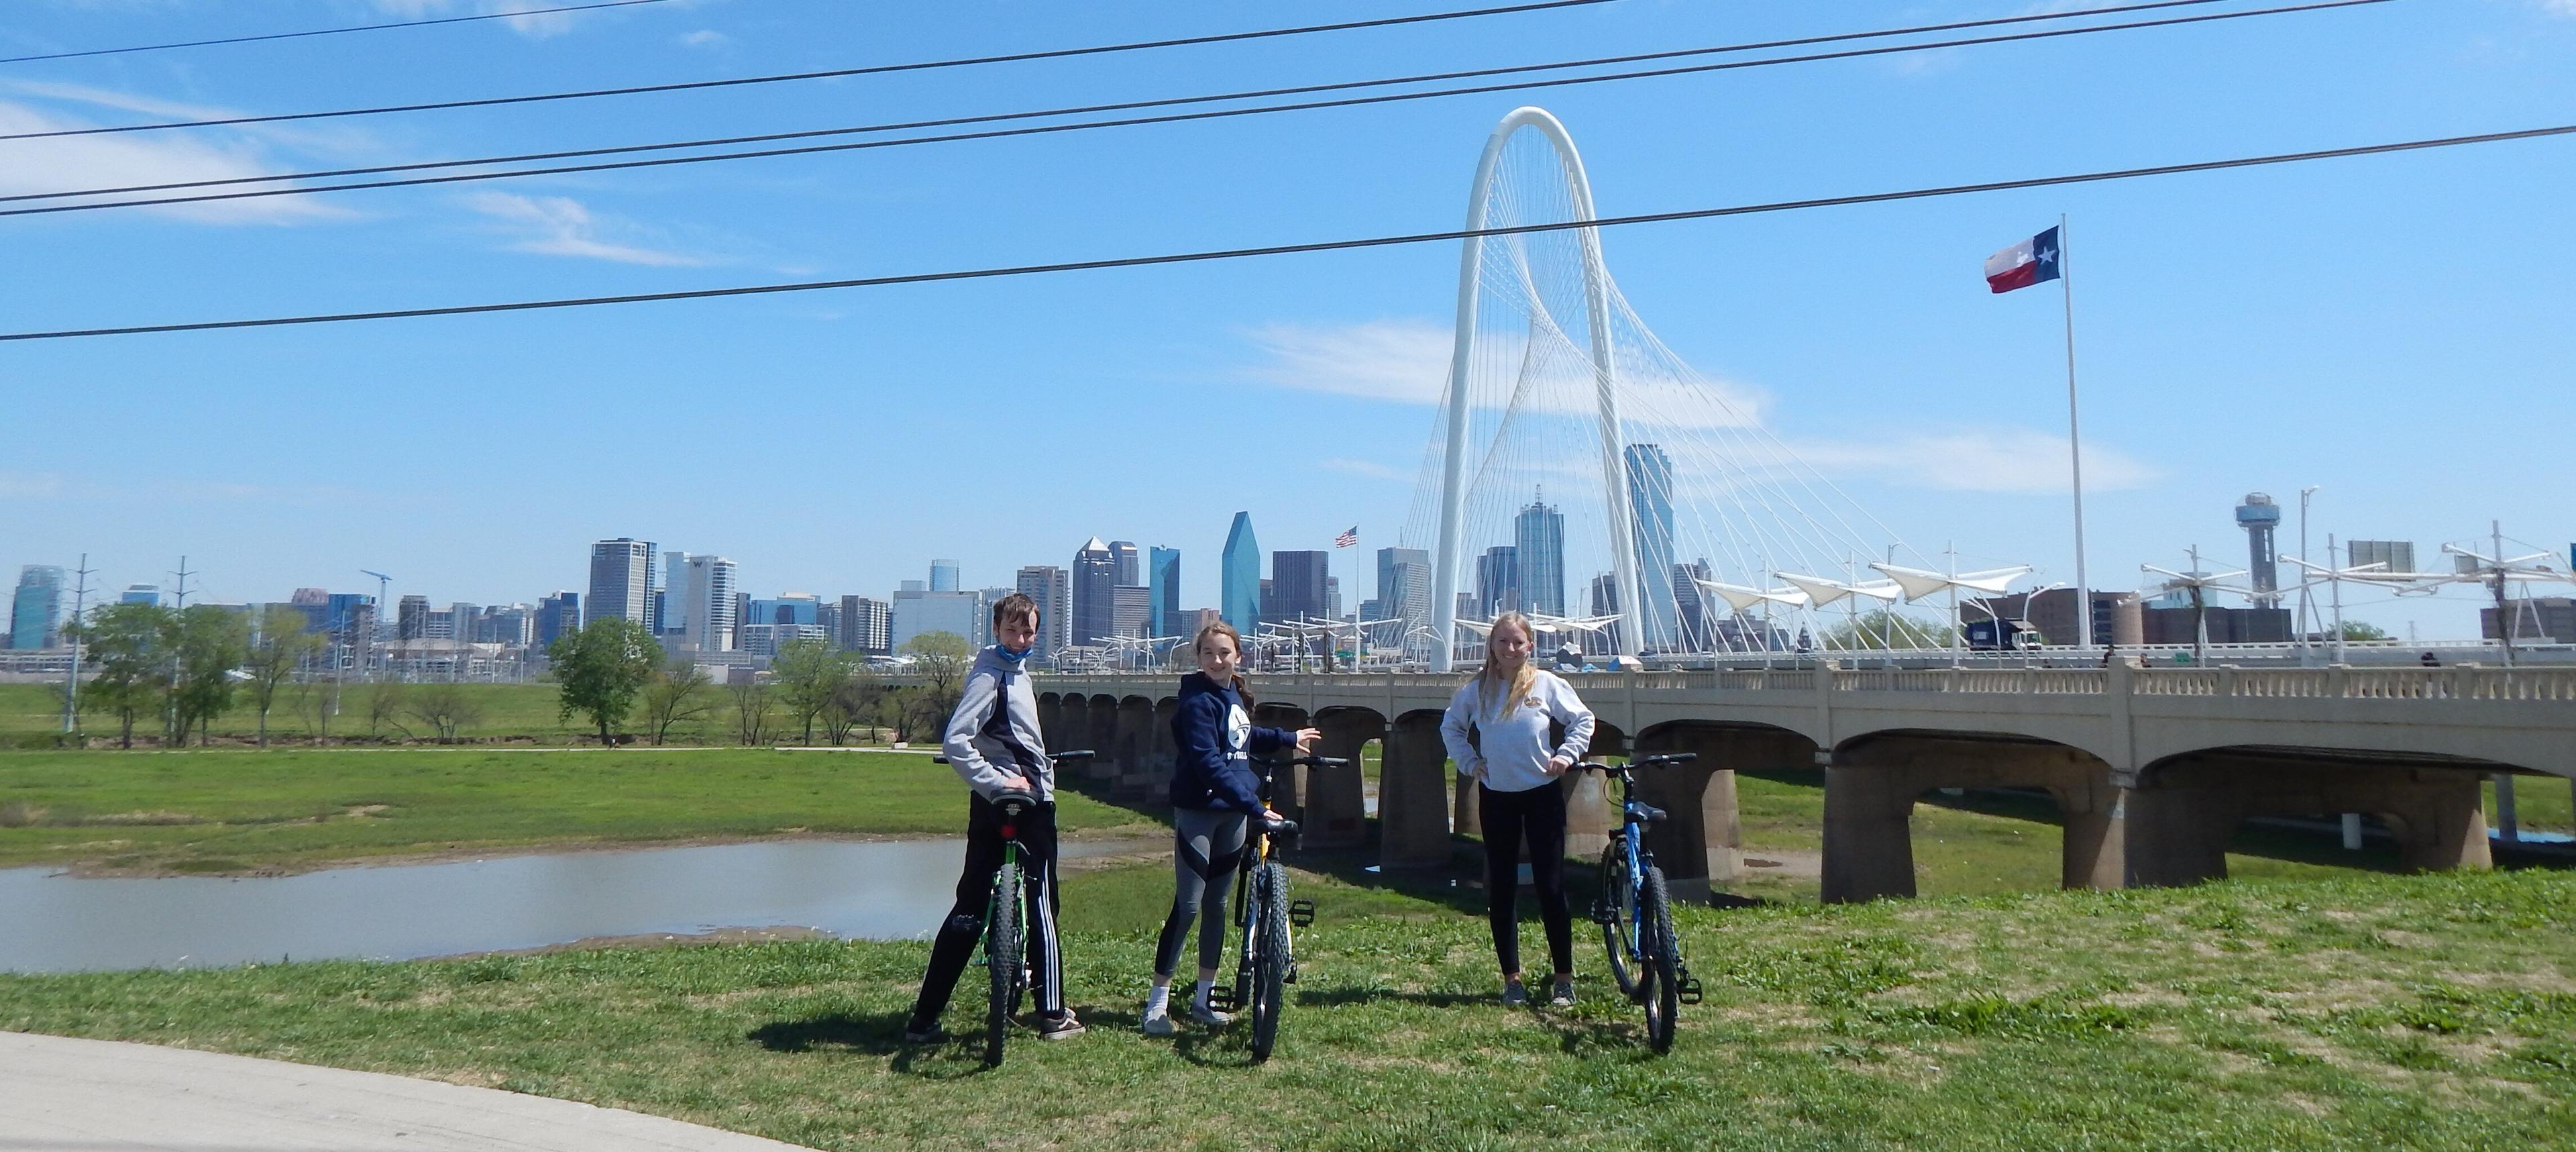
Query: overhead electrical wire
[[1122, 122], [328, 31], [1315, 246], [827, 74]]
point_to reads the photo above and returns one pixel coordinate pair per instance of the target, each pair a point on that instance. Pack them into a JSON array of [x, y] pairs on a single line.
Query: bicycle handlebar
[[1322, 761], [1083, 754], [1656, 761]]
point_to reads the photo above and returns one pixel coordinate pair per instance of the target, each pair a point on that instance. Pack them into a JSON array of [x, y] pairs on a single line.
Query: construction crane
[[383, 582]]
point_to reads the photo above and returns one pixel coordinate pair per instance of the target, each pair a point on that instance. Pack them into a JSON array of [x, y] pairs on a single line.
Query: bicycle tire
[[1612, 912], [1004, 946], [1270, 968], [1663, 997]]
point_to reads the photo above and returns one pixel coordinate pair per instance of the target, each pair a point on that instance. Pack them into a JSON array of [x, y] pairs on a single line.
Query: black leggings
[[1535, 818]]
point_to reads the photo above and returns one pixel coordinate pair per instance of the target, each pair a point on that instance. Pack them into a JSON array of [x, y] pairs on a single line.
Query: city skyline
[[1855, 333]]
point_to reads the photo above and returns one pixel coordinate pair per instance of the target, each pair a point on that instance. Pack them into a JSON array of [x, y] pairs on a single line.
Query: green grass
[[229, 811], [507, 711], [2365, 1012]]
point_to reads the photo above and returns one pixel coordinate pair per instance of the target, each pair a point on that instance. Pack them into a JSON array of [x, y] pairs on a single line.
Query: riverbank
[[2366, 1011], [286, 811]]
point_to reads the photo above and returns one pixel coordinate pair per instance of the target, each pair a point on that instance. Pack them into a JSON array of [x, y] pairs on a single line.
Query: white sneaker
[[1159, 1024], [1209, 1016]]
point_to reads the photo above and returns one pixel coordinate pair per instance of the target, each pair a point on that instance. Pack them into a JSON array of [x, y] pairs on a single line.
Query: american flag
[[1347, 539]]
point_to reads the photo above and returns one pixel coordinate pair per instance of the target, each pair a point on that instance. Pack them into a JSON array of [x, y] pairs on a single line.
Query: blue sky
[[2395, 329]]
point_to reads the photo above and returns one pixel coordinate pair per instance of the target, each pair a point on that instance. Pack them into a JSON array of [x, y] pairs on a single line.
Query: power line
[[1128, 106], [1125, 122], [327, 31], [1320, 245], [870, 70]]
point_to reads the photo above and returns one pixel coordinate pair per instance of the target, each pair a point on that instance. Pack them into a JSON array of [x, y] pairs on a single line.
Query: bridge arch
[[1596, 308]]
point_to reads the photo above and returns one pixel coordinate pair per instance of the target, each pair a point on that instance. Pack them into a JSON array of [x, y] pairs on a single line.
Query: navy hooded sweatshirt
[[1216, 741]]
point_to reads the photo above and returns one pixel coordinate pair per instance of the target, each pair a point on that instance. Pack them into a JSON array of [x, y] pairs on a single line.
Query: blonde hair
[[1489, 676]]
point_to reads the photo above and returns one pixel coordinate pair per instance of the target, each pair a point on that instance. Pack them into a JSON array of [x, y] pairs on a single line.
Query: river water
[[881, 890]]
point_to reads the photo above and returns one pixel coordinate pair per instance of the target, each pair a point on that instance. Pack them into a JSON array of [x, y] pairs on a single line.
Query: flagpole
[[2074, 441]]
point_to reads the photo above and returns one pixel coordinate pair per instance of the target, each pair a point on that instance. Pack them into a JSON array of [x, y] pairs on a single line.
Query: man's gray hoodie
[[994, 731]]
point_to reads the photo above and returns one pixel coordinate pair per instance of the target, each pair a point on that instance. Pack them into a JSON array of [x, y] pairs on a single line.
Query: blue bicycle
[[1635, 909]]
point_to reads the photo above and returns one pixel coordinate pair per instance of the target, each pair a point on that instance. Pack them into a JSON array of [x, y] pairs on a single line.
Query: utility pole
[[2334, 581], [71, 679], [2307, 603], [170, 714], [2504, 620]]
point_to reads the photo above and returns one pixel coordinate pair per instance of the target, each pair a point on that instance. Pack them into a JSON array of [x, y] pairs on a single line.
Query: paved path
[[61, 1095]]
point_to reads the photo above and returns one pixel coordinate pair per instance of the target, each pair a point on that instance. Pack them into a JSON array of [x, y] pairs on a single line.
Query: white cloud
[[705, 38], [30, 485], [2005, 460], [2559, 7], [562, 226], [67, 163], [1406, 361]]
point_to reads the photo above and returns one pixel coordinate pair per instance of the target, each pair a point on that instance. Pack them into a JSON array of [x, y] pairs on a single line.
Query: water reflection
[[878, 890]]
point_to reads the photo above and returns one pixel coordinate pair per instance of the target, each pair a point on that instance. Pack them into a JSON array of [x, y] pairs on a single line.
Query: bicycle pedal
[[1688, 990], [1301, 913], [1221, 999], [1603, 915], [1291, 977]]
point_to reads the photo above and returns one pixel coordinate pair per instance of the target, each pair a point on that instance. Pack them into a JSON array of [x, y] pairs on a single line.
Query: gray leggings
[[1206, 846]]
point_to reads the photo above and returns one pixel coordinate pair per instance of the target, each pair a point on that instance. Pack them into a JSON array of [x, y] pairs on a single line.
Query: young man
[[994, 744]]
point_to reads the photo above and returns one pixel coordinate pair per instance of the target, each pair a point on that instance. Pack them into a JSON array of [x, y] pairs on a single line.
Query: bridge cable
[[827, 74], [328, 31], [1320, 245], [1123, 122]]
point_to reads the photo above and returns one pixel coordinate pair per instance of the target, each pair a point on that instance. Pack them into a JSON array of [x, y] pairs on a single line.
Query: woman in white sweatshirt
[[1511, 704]]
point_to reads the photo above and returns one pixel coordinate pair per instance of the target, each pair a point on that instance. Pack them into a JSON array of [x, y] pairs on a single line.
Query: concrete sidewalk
[[61, 1095]]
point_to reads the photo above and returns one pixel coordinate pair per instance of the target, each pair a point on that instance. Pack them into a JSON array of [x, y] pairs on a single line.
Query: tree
[[445, 708], [678, 693], [808, 674], [386, 703], [1881, 627], [125, 643], [853, 702], [317, 701], [754, 706], [602, 668], [283, 646], [2360, 630], [942, 660], [209, 643]]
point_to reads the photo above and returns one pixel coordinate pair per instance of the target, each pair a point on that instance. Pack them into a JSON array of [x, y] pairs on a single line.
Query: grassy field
[[2370, 1011], [507, 711], [234, 811]]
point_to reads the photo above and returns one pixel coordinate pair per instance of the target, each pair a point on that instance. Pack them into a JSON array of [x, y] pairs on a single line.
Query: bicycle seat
[[1281, 828], [1647, 813], [1023, 799]]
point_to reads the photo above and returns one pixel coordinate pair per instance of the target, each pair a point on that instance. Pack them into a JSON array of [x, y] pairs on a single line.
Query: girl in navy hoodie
[[1215, 794]]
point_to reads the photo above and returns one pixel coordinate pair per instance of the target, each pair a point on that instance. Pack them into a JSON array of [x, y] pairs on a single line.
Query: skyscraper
[[1299, 583], [2259, 516], [36, 611], [142, 594], [670, 606], [943, 575], [867, 626], [1497, 581], [1095, 573], [702, 599], [1122, 558], [1131, 610], [1650, 516], [1047, 584], [1538, 542], [556, 615], [1239, 598], [621, 581], [1163, 579], [1404, 585]]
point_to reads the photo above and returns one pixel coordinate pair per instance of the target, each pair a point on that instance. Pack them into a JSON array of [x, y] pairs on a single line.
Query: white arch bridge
[[2152, 768]]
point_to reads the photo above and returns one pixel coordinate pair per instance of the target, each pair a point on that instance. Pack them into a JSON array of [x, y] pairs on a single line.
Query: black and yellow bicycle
[[1267, 962]]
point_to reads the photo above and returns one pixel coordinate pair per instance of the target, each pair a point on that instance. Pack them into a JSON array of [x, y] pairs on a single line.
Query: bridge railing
[[2468, 682]]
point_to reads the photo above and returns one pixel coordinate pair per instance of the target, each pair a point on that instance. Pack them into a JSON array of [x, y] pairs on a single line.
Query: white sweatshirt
[[1514, 747]]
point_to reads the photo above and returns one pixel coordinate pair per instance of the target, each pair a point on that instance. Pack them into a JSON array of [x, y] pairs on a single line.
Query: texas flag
[[2024, 264]]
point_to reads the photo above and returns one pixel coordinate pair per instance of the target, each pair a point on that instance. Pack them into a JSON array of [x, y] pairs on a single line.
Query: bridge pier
[[1051, 721], [1700, 844], [1072, 729], [1337, 798], [1134, 741], [1588, 813], [1870, 789], [1288, 791], [2179, 822], [1165, 754], [1413, 795], [1101, 717]]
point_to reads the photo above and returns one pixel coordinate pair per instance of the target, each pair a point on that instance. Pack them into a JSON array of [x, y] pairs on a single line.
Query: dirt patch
[[1783, 864], [657, 940]]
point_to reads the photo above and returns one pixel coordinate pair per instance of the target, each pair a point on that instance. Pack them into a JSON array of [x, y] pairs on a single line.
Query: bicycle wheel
[[1611, 911], [1662, 978], [1003, 945], [1270, 966]]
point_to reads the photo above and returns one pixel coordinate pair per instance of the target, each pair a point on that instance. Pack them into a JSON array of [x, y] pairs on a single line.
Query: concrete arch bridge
[[2152, 768]]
